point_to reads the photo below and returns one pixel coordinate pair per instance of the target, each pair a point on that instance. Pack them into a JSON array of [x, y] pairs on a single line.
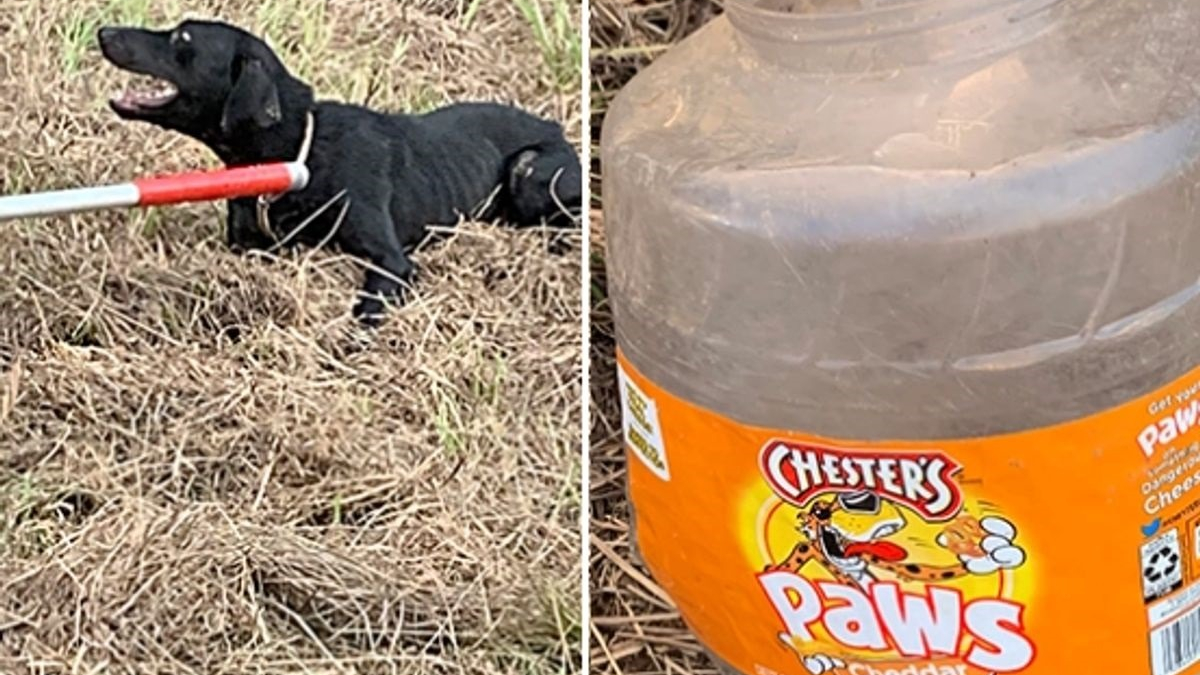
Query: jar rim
[[823, 10], [885, 19]]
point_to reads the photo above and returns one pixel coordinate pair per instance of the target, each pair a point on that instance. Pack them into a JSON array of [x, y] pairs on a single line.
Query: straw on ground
[[204, 466]]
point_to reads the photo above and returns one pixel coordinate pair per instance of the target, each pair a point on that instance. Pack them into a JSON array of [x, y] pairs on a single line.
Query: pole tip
[[300, 175]]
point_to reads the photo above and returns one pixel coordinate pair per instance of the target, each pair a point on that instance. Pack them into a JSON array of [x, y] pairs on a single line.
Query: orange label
[[1071, 549]]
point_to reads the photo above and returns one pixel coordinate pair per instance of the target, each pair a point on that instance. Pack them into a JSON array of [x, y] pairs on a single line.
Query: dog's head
[[212, 81]]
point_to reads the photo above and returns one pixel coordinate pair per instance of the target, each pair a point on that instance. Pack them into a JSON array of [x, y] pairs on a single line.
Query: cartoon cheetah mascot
[[856, 553]]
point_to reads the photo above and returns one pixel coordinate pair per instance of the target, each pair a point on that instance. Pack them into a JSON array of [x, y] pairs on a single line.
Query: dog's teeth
[[149, 92]]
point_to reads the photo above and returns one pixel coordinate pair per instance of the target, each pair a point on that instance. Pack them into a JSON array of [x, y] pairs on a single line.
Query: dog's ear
[[254, 98]]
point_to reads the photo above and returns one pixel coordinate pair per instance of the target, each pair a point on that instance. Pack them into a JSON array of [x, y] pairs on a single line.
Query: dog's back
[[456, 161], [509, 129], [542, 175]]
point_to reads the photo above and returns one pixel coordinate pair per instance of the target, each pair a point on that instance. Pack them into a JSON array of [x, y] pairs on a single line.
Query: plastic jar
[[858, 248]]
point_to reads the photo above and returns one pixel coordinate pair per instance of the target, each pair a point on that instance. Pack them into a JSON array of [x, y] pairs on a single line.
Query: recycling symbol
[[1161, 565]]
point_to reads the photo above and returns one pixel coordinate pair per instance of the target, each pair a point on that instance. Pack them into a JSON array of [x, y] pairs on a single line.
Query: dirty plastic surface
[[911, 219]]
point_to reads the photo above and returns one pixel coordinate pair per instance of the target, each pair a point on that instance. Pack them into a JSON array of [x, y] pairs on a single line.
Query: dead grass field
[[635, 628], [204, 467]]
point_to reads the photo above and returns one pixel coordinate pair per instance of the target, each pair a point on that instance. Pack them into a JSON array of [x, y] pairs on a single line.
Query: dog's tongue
[[883, 550]]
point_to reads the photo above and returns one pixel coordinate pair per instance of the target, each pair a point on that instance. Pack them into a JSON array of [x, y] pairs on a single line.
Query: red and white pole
[[249, 181]]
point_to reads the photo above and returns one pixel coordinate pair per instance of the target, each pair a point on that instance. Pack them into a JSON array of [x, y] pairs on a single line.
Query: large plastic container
[[906, 224]]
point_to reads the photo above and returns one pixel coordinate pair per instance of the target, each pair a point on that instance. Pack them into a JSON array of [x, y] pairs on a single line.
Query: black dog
[[381, 179]]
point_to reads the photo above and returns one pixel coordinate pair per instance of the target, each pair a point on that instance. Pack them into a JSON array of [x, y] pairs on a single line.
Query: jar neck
[[874, 36]]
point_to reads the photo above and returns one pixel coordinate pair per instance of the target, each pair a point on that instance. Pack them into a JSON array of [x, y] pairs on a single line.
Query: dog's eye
[[181, 45]]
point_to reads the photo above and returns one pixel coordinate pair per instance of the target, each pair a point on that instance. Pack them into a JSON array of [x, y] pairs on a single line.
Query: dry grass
[[204, 466], [635, 626]]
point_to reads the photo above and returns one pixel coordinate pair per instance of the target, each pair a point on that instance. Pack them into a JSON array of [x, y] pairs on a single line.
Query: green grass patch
[[24, 527], [77, 33], [552, 638], [311, 28], [449, 423], [467, 12], [558, 40], [421, 99]]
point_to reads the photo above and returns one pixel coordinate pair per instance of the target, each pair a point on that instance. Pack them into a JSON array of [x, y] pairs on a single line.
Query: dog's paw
[[369, 311], [998, 548]]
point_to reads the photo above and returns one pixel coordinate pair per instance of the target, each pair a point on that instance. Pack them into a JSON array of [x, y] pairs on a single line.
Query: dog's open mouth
[[146, 93]]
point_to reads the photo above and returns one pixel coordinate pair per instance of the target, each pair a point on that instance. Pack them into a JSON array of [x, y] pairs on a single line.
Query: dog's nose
[[105, 35]]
